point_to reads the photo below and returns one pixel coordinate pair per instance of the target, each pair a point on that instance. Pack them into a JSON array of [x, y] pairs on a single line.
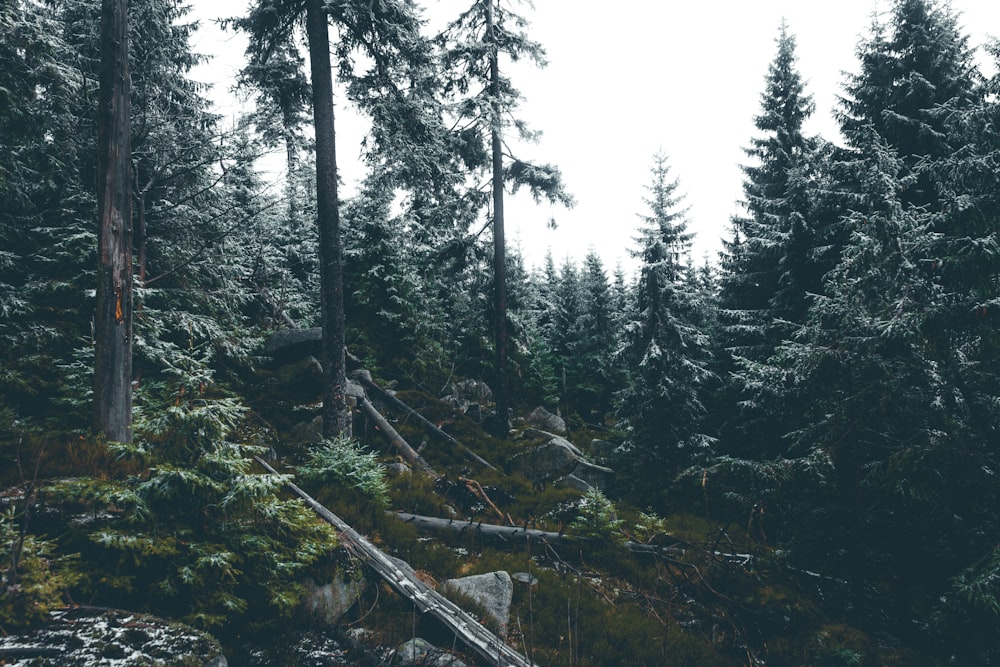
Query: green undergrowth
[[594, 603]]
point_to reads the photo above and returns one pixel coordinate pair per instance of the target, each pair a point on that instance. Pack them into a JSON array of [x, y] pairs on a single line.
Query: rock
[[593, 474], [473, 390], [300, 380], [306, 432], [525, 578], [492, 591], [558, 458], [544, 419], [418, 652], [573, 482], [83, 636], [602, 450], [293, 344], [354, 390], [397, 469], [329, 602]]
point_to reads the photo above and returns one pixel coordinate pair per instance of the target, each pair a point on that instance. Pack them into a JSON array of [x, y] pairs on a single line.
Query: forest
[[786, 455]]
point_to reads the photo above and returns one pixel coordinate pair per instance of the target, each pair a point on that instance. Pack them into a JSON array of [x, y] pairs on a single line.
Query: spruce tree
[[777, 257], [474, 44], [661, 409]]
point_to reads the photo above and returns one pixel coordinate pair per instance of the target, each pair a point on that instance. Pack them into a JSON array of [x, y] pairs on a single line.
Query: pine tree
[[661, 409]]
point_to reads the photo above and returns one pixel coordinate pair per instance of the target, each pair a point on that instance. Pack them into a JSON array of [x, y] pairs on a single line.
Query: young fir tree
[[599, 340], [661, 409]]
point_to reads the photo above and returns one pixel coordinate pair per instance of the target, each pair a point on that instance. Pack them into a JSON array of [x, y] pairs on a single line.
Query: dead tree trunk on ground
[[364, 377], [400, 576], [396, 440]]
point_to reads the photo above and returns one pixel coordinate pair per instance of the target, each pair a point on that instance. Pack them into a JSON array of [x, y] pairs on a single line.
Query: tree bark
[[501, 394], [336, 414], [113, 316]]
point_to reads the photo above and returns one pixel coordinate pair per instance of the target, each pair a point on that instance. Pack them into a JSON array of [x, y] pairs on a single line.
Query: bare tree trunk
[[336, 414], [113, 317], [502, 392]]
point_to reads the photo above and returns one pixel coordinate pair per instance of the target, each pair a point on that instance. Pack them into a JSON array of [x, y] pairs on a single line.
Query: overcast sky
[[633, 77]]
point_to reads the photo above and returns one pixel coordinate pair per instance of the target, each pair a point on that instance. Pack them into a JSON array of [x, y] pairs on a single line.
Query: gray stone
[[573, 482], [83, 636], [354, 390], [558, 458], [593, 474], [329, 602], [492, 591], [419, 652], [551, 459], [294, 343], [397, 469], [473, 390], [544, 419], [602, 449]]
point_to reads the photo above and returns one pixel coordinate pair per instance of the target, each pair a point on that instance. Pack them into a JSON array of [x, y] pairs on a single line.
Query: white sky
[[630, 78]]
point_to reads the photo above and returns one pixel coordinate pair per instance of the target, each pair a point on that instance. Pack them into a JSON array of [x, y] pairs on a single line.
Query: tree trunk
[[404, 581], [499, 242], [113, 316], [365, 378], [336, 414], [396, 440]]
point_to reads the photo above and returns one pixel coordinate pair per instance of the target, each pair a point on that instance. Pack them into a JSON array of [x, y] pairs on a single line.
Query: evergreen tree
[[474, 43], [910, 66], [599, 340], [778, 255], [661, 409], [384, 36]]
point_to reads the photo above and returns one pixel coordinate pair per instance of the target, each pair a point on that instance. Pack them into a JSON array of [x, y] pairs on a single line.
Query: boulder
[[602, 450], [293, 344], [473, 390], [83, 636], [419, 652], [573, 482], [329, 602], [492, 591], [545, 420], [558, 457]]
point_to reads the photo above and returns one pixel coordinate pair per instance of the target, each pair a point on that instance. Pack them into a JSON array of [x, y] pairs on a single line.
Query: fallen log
[[396, 440], [402, 579], [480, 528], [365, 378], [522, 532]]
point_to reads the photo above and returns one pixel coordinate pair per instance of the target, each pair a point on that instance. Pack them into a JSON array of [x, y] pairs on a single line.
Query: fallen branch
[[365, 378], [477, 490]]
